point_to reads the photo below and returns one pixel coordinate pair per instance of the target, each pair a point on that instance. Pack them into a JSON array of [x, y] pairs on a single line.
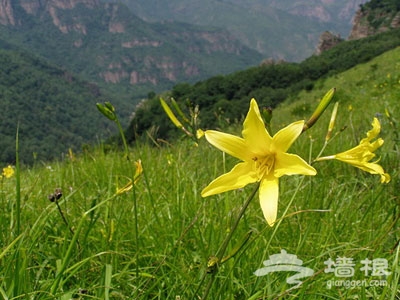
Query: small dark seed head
[[58, 193]]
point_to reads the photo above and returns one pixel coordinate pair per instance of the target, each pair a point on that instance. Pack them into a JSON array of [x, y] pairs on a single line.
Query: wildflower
[[264, 160], [71, 154], [192, 122], [8, 172], [129, 185], [387, 113], [171, 115], [108, 110], [332, 122], [199, 133], [323, 104], [361, 155], [56, 195]]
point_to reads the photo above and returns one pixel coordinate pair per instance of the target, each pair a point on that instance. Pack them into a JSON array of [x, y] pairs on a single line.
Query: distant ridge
[[279, 29], [109, 45], [223, 99]]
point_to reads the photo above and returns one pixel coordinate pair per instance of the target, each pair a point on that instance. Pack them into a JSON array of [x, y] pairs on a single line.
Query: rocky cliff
[[106, 42], [34, 7], [327, 40], [323, 10], [371, 19], [6, 13], [279, 29]]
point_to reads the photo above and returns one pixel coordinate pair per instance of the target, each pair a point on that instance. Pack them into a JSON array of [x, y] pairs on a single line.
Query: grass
[[155, 242]]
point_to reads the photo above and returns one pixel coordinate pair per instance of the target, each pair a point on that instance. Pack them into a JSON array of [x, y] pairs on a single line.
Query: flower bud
[[107, 110], [332, 122], [320, 109], [170, 114]]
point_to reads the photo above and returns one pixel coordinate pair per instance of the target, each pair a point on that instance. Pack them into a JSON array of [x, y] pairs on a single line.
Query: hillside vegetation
[[128, 57], [159, 239], [381, 13], [224, 99], [51, 109]]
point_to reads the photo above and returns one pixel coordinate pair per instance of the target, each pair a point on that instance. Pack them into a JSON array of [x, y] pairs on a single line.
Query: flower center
[[264, 165]]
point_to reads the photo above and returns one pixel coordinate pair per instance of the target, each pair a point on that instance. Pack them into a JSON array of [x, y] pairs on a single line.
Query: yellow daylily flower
[[264, 160], [199, 133], [361, 155], [8, 172], [131, 183]]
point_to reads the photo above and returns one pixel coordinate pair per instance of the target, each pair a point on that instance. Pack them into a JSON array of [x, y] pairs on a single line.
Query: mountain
[[375, 17], [107, 44], [43, 41], [283, 29], [371, 18], [223, 99], [52, 109]]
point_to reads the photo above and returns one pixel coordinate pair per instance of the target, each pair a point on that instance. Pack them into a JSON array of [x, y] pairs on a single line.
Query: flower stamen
[[265, 165]]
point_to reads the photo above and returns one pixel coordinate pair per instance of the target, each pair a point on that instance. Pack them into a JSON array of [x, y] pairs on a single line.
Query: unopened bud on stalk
[[332, 122], [170, 114], [107, 110], [320, 109], [179, 111], [172, 117], [266, 113], [109, 106]]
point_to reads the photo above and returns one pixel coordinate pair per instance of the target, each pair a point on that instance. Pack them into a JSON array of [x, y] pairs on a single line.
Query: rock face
[[6, 13], [368, 22], [108, 42], [327, 40], [371, 18], [53, 7], [361, 27]]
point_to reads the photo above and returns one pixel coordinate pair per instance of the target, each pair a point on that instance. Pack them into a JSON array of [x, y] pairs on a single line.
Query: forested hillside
[[55, 109], [109, 45], [52, 109], [223, 99]]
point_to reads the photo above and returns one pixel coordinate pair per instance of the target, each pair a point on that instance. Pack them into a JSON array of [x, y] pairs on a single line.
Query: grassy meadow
[[155, 240]]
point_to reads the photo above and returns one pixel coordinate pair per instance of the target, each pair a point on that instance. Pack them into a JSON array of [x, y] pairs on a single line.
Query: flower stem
[[136, 229], [121, 132], [64, 218], [220, 253], [222, 249], [18, 213]]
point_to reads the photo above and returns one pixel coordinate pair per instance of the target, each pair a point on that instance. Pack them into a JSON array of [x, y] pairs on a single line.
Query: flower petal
[[385, 178], [254, 132], [376, 128], [269, 194], [370, 167], [285, 137], [290, 164], [241, 175], [231, 144]]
